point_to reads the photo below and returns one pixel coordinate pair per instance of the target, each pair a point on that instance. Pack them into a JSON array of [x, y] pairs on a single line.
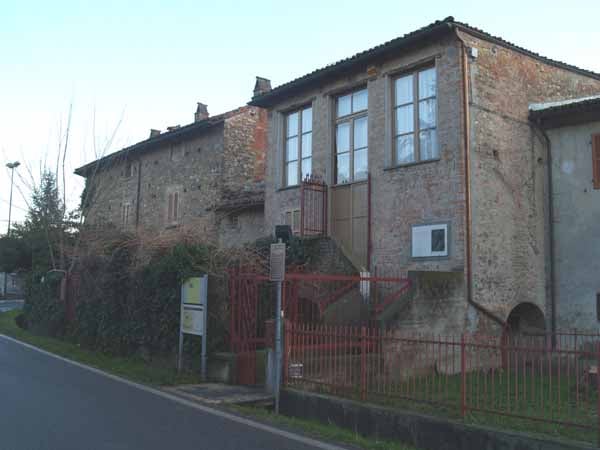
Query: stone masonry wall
[[401, 196], [205, 169], [509, 167]]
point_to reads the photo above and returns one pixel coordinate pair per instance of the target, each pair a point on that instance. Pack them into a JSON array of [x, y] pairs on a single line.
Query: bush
[[43, 312]]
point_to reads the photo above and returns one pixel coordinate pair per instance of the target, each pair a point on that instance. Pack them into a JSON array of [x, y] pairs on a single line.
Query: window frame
[[414, 74], [430, 228], [292, 212], [350, 119], [300, 158], [173, 207], [125, 214]]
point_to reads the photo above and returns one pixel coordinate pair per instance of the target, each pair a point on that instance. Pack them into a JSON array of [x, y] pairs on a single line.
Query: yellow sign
[[191, 291], [193, 321]]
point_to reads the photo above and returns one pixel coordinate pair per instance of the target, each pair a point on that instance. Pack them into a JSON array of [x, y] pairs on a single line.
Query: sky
[[124, 67]]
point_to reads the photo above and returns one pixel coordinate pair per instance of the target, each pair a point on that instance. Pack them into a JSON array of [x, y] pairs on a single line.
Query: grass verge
[[319, 430], [158, 372]]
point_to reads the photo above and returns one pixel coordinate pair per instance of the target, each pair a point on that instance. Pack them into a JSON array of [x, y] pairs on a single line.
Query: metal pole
[[12, 175], [179, 357], [204, 294], [278, 346]]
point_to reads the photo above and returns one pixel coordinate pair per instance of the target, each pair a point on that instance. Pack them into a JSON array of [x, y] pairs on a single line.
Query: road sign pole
[[278, 347], [179, 356], [277, 274], [204, 293]]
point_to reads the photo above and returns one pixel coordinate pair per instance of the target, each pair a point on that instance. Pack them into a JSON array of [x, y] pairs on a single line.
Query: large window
[[298, 146], [415, 114], [351, 137]]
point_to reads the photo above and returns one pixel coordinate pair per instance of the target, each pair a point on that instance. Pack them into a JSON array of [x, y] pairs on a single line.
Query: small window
[[415, 117], [173, 207], [596, 160], [125, 215], [128, 169], [292, 218], [429, 241], [298, 146]]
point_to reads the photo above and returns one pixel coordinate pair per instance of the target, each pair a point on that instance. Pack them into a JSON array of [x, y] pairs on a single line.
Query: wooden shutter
[[170, 210], [596, 159]]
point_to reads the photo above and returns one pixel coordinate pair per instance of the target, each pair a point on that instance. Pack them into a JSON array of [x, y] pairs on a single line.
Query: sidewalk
[[217, 394]]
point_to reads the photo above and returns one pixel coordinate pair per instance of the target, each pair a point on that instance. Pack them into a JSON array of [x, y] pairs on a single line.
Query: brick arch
[[526, 318]]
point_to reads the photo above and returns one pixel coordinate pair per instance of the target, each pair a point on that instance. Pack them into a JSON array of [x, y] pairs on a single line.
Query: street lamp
[[12, 166]]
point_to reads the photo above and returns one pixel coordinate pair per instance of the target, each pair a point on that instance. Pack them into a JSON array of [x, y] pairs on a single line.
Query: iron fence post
[[598, 392], [463, 377]]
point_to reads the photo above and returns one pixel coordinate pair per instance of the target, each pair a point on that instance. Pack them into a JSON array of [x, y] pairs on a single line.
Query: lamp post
[[12, 166]]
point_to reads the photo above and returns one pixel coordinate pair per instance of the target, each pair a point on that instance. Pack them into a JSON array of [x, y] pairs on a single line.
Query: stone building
[[572, 132], [206, 178], [432, 167]]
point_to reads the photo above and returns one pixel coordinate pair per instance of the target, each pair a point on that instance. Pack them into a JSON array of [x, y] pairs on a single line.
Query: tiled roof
[[435, 29], [151, 143], [539, 109]]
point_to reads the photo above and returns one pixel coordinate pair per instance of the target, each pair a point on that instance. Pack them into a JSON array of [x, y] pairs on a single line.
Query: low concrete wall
[[423, 432]]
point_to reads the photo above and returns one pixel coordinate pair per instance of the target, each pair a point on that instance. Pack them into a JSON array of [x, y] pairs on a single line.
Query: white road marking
[[206, 409]]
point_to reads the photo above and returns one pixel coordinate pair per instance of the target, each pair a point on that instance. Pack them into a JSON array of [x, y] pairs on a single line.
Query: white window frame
[[416, 126], [304, 154], [350, 118], [421, 240]]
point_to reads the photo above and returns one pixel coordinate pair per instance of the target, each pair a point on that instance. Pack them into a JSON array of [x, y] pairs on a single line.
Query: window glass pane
[[344, 105], [427, 83], [427, 113], [307, 120], [306, 167], [291, 152], [343, 168], [306, 145], [360, 132], [343, 137], [288, 218], [360, 100], [404, 90], [361, 164], [428, 145], [438, 240], [292, 124], [292, 173], [405, 149], [405, 120]]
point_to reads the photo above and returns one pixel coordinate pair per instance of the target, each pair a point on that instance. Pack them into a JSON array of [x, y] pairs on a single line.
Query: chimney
[[154, 133], [261, 86], [201, 112]]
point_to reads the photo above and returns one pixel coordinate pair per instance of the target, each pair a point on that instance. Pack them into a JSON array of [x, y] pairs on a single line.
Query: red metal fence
[[514, 381], [313, 207]]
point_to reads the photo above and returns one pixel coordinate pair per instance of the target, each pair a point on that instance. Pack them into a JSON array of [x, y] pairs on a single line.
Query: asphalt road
[[47, 403]]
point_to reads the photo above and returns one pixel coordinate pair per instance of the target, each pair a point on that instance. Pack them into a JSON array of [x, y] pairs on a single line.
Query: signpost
[[194, 310], [277, 274]]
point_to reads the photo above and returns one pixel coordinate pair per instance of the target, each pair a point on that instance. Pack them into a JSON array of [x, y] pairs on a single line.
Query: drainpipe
[[467, 162], [550, 230]]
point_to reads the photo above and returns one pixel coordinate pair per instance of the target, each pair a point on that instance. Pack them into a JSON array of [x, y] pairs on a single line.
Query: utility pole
[[12, 166]]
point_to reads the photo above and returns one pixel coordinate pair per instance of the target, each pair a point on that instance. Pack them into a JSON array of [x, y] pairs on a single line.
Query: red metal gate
[[250, 306], [313, 207], [306, 297]]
